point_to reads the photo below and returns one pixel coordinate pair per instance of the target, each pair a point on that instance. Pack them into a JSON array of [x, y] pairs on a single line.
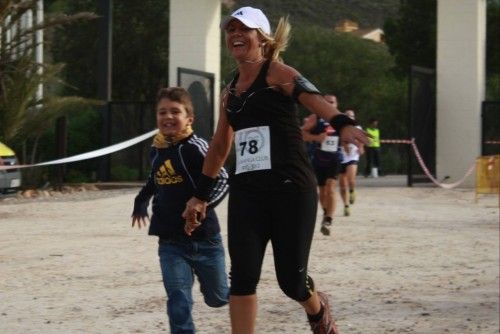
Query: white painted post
[[195, 40], [461, 39]]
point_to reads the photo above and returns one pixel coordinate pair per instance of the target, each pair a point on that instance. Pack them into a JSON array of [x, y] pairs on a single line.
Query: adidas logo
[[166, 174], [239, 13], [166, 169]]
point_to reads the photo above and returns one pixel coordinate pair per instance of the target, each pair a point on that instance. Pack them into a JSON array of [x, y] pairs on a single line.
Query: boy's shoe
[[347, 211], [326, 325], [352, 197]]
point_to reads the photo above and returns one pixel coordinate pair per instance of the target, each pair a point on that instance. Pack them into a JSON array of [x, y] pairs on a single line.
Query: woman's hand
[[194, 213], [189, 227]]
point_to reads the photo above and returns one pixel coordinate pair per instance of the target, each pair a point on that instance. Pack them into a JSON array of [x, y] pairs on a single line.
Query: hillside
[[325, 13]]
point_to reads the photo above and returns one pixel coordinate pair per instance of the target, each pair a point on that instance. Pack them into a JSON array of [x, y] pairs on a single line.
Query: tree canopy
[[23, 113], [411, 38], [140, 48]]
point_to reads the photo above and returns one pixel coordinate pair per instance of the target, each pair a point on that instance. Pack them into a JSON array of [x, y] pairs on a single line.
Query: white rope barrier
[[136, 140], [88, 155], [432, 178]]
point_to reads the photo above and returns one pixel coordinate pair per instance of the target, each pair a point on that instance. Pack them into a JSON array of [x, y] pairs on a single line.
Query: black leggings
[[372, 159], [287, 219]]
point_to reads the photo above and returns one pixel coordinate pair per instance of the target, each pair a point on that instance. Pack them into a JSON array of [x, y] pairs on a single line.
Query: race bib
[[253, 149], [330, 144]]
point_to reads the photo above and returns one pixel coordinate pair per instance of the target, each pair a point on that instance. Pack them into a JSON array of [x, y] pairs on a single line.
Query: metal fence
[[422, 122], [129, 119]]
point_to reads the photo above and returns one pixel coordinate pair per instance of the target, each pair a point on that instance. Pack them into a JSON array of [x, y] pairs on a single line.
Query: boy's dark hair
[[177, 94], [373, 120]]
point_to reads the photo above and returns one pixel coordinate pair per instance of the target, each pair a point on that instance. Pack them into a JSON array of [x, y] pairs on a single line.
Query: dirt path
[[408, 260]]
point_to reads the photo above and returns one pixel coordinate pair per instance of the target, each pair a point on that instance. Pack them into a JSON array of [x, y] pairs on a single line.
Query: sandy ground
[[408, 260]]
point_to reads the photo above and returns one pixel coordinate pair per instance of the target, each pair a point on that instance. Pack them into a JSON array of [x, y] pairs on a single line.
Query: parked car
[[11, 178]]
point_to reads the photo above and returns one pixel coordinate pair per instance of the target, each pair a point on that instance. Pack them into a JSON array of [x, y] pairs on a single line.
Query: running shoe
[[347, 211], [326, 325], [327, 221], [352, 197], [324, 229]]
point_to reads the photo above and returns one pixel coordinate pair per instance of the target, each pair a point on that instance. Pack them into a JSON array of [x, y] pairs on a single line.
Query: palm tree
[[24, 114]]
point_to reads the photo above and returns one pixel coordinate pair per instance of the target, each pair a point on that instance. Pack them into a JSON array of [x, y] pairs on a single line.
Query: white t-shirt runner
[[353, 154]]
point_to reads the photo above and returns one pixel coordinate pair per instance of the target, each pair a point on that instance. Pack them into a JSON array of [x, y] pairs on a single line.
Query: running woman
[[273, 190]]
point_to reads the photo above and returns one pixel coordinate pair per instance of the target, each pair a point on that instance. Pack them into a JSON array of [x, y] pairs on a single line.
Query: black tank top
[[263, 106]]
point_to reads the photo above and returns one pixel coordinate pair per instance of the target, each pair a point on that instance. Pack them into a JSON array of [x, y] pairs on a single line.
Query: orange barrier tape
[[432, 178], [395, 141], [424, 167]]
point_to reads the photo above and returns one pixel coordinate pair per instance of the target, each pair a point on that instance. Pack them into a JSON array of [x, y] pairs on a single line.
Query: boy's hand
[[142, 221]]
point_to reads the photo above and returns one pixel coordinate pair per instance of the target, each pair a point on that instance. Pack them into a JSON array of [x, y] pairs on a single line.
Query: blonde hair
[[274, 45]]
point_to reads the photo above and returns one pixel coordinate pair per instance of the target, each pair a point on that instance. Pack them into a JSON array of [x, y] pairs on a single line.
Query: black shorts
[[331, 171]]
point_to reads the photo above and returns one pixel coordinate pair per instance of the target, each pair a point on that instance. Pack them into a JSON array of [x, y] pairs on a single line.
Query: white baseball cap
[[251, 17]]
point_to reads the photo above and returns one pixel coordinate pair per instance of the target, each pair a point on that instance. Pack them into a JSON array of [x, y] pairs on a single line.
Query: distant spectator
[[372, 149]]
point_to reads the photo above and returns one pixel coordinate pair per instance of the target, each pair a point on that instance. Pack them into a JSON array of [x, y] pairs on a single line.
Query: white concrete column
[[195, 40], [461, 39]]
